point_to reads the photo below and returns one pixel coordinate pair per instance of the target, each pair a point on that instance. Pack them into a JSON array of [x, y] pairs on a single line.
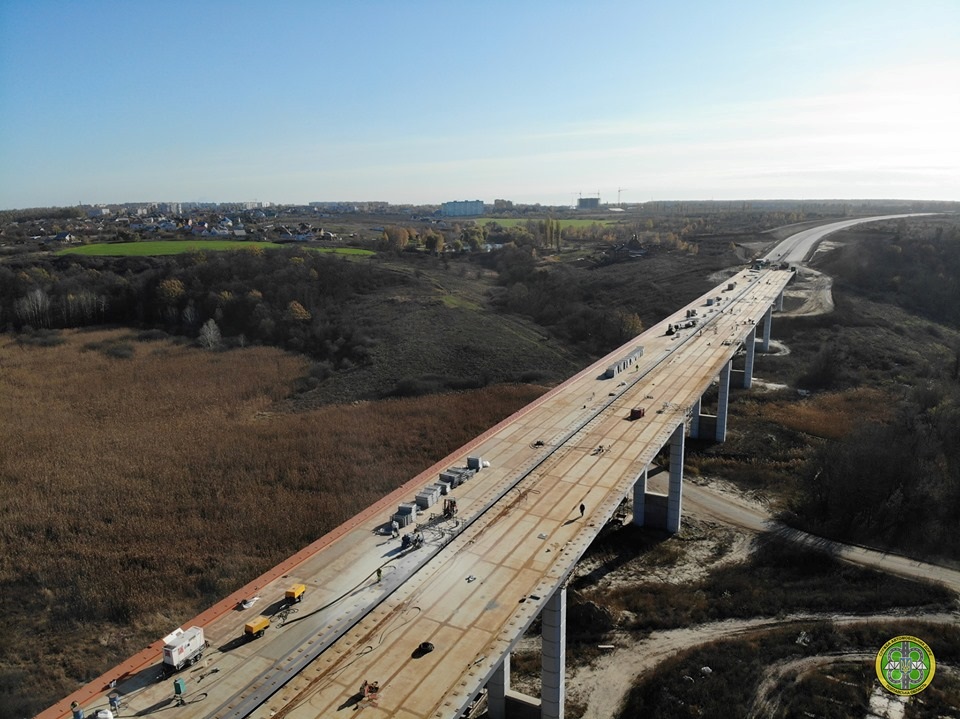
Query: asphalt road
[[799, 247]]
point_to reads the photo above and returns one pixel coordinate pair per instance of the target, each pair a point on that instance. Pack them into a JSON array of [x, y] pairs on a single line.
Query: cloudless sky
[[421, 101]]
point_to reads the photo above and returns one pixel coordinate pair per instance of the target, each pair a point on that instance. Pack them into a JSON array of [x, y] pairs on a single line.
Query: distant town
[[272, 222]]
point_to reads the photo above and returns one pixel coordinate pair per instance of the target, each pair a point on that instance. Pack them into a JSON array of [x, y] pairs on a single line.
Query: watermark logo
[[905, 665]]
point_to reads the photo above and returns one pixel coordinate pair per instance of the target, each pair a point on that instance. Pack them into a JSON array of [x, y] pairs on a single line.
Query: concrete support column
[[695, 419], [723, 402], [751, 345], [779, 303], [639, 497], [553, 667], [676, 480], [767, 321], [497, 689]]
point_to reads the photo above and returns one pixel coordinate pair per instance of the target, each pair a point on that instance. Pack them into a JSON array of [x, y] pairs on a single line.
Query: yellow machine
[[256, 627], [295, 593]]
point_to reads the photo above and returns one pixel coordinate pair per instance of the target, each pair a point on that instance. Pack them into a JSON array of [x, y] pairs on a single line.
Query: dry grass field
[[831, 415], [143, 480]]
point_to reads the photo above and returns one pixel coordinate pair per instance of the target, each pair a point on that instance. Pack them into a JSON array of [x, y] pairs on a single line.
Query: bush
[[152, 335], [121, 350], [432, 384], [40, 338], [114, 347]]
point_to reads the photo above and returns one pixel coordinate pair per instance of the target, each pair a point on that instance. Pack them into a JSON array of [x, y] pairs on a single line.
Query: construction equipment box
[[295, 593], [256, 627], [183, 647]]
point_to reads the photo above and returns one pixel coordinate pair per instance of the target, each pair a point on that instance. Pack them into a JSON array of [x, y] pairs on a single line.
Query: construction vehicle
[[255, 628], [294, 595], [182, 648], [450, 508]]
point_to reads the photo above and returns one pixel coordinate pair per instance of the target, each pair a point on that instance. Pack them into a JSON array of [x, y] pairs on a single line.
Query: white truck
[[182, 648]]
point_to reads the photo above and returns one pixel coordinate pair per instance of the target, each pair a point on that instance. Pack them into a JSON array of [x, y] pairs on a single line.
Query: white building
[[462, 208]]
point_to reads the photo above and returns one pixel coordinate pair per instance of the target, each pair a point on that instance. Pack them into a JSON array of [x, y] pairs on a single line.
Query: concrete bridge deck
[[482, 577]]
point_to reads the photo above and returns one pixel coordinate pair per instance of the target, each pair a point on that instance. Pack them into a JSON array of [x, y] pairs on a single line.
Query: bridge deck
[[482, 578]]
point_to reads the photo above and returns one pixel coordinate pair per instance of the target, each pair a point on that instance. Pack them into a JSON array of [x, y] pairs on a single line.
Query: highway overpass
[[483, 575]]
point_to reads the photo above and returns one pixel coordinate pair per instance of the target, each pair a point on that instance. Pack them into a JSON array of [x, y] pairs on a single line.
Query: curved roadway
[[798, 248]]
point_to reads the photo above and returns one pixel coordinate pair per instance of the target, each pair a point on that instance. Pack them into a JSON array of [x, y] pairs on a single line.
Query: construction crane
[[619, 190]]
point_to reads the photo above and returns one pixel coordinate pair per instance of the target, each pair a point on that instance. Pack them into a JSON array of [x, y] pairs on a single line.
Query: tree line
[[894, 484], [915, 265], [558, 299], [291, 298]]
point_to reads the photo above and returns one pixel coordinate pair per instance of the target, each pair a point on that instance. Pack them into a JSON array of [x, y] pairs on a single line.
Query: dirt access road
[[710, 501], [602, 686]]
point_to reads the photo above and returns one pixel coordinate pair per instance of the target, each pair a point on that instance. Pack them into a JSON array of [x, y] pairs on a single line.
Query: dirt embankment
[[809, 294]]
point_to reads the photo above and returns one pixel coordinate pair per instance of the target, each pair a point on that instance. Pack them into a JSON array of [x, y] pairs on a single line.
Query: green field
[[176, 247], [514, 221]]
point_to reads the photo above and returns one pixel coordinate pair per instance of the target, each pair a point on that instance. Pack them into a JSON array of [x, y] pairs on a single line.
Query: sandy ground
[[809, 294], [602, 686], [884, 705]]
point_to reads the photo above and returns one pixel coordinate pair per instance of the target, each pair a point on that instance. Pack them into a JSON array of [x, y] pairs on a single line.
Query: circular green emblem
[[905, 665]]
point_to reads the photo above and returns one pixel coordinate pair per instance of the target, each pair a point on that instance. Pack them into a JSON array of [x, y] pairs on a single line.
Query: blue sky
[[430, 101]]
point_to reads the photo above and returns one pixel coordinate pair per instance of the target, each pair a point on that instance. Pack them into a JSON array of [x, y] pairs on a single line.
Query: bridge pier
[[695, 419], [723, 403], [497, 689], [640, 498], [676, 480], [751, 347], [553, 662], [767, 322], [705, 425], [778, 305], [552, 668], [657, 510]]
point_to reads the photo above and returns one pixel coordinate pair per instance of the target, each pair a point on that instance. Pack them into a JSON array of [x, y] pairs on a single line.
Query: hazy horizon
[[605, 205], [293, 102]]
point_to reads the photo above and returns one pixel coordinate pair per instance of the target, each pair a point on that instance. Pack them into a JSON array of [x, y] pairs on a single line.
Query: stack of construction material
[[428, 497], [452, 476], [406, 514], [442, 486], [449, 481]]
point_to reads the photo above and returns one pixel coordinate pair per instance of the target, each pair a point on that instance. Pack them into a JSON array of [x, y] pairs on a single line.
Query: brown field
[[104, 432], [831, 415]]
